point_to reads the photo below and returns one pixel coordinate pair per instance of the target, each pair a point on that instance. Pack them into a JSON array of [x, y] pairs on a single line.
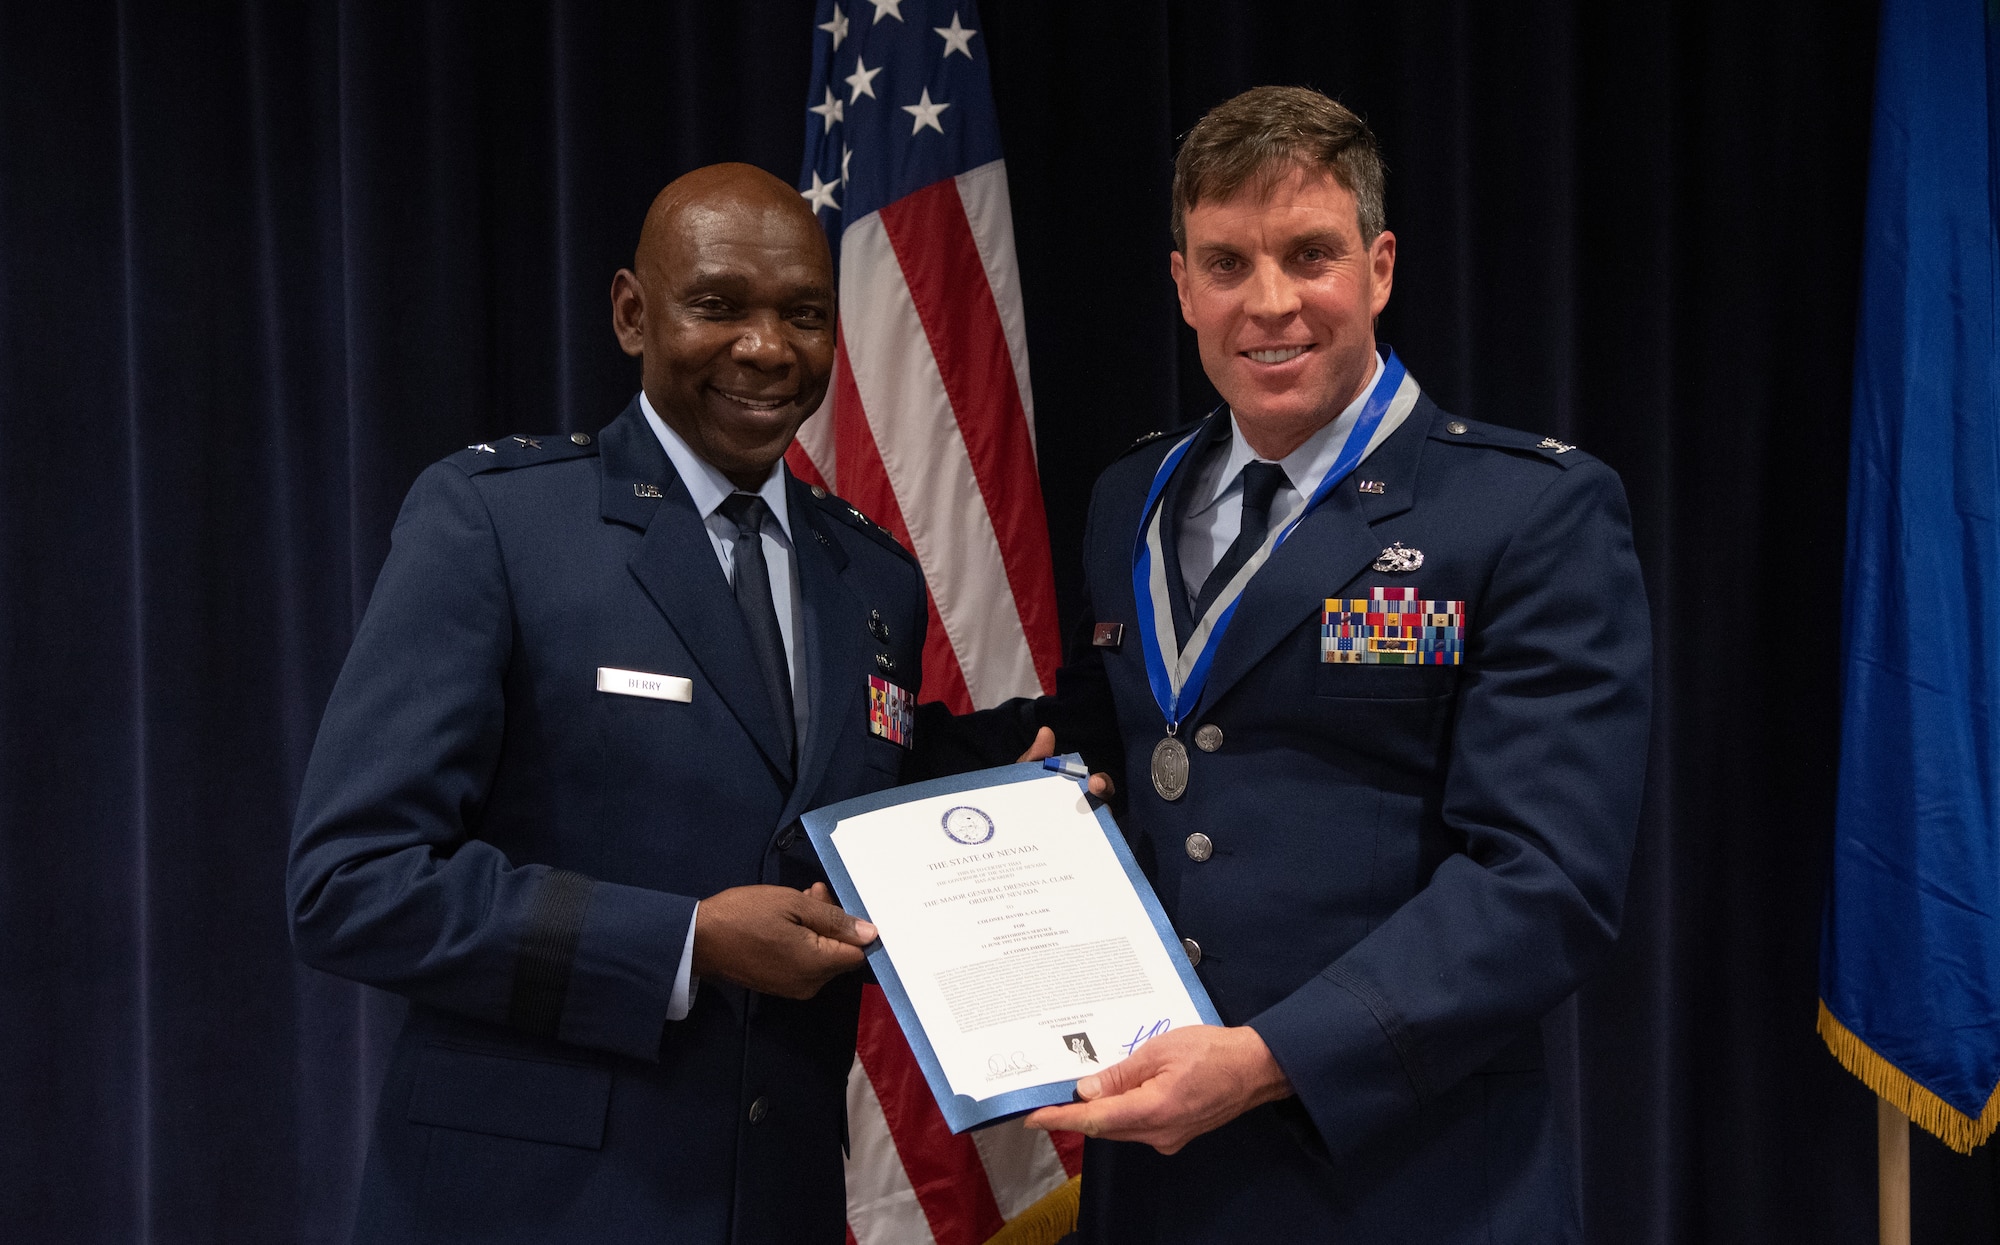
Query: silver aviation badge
[[1399, 559]]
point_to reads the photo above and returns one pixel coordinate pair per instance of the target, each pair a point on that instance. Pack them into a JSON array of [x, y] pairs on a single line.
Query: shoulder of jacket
[[1160, 434], [522, 450], [851, 515], [1453, 430]]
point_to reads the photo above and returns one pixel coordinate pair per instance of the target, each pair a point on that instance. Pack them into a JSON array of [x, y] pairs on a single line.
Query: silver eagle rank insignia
[[1399, 559]]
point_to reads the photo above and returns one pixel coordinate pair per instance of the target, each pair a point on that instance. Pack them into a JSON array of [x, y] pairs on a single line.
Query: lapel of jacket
[[1173, 507], [1332, 546], [836, 643], [676, 564]]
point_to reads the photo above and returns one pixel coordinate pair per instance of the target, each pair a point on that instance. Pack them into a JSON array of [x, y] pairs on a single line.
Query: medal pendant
[[1170, 768]]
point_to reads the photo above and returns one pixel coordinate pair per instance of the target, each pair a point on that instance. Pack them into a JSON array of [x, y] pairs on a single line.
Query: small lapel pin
[[1107, 635], [1399, 559], [647, 490], [1560, 447], [480, 447], [1373, 486]]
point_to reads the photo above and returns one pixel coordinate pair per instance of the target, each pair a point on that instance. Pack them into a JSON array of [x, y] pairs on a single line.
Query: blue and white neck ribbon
[[1177, 684]]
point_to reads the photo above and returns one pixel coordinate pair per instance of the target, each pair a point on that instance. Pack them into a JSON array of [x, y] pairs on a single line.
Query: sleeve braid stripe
[[548, 949]]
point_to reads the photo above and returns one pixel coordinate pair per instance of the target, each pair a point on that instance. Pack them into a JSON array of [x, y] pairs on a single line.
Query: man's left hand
[[1173, 1089]]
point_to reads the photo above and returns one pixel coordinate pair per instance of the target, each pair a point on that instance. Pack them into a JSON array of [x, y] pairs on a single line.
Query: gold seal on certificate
[[1170, 768]]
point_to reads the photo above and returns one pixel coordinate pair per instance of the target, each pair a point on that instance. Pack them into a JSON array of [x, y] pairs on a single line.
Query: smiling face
[[731, 309], [1282, 295]]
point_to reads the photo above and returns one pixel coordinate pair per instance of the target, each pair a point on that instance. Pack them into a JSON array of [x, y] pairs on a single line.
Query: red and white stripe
[[909, 1180], [928, 428]]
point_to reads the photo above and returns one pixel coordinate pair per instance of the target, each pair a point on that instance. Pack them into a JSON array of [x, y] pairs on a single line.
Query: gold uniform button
[[1199, 847], [579, 438], [1208, 738]]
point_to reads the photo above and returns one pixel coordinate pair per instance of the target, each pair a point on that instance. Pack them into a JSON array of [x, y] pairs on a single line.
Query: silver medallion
[[1170, 768]]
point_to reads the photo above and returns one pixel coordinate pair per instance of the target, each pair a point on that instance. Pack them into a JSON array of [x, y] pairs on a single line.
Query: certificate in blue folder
[[1056, 956]]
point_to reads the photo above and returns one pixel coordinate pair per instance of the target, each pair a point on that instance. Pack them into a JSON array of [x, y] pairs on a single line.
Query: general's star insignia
[[480, 447], [529, 443], [1398, 559]]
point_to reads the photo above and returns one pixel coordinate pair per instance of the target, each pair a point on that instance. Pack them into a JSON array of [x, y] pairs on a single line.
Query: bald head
[[729, 305]]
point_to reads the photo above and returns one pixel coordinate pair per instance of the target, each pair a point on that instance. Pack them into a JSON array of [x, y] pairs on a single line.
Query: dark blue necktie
[[1260, 485], [760, 615]]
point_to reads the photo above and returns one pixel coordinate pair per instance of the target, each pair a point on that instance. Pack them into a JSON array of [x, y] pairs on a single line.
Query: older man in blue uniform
[[554, 799], [1374, 683]]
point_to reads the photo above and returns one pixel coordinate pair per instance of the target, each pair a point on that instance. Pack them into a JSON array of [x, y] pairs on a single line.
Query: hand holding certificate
[[1020, 947]]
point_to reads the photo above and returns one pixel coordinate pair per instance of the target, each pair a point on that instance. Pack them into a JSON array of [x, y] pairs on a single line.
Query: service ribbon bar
[[1392, 627]]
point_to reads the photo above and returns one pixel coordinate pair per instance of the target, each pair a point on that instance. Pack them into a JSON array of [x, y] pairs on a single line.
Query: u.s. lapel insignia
[[1376, 487], [647, 490], [1399, 559], [1392, 627], [892, 712]]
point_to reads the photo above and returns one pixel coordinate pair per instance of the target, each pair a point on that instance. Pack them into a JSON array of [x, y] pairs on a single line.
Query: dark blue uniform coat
[[1411, 864], [518, 854]]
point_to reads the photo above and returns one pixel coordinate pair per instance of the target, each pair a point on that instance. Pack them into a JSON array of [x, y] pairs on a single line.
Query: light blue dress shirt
[[1215, 498], [709, 488]]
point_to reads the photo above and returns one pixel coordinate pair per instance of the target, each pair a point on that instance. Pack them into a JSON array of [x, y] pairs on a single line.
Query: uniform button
[[789, 837], [1199, 847], [819, 492], [1208, 738], [580, 438], [1455, 428], [759, 1109], [1193, 950]]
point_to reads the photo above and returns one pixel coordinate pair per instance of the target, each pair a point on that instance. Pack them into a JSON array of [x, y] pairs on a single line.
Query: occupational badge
[[1392, 627], [892, 711], [1399, 559]]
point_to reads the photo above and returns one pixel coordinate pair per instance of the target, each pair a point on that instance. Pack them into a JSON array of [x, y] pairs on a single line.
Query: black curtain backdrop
[[261, 263]]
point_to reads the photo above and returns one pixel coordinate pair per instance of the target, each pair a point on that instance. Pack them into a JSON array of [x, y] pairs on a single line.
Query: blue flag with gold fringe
[[1910, 949]]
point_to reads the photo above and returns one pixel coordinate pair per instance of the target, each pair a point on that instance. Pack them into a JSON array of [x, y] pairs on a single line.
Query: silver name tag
[[639, 683]]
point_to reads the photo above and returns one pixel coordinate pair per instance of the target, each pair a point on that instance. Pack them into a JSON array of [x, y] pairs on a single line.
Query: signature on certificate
[[1008, 1065], [1146, 1034]]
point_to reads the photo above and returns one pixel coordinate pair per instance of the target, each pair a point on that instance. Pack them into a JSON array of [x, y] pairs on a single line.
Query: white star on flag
[[861, 80], [888, 8], [925, 112], [821, 194], [832, 110], [837, 27], [846, 155], [956, 38]]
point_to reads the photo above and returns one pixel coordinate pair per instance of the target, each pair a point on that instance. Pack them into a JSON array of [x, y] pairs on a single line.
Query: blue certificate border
[[960, 1112]]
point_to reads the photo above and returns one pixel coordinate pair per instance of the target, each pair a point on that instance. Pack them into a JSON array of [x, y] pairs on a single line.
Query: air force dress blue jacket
[[1391, 871], [485, 832]]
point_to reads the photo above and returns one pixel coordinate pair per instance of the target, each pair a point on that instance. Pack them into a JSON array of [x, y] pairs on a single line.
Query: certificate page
[[1019, 939]]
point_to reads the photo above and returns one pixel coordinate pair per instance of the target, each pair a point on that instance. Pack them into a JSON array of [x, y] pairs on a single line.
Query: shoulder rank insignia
[[1392, 627], [1399, 559], [481, 447], [1559, 447]]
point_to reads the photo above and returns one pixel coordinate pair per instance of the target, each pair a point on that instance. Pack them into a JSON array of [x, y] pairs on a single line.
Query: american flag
[[928, 427]]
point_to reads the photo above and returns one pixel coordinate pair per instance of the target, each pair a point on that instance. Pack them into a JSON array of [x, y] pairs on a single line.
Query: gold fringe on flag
[[1047, 1221], [1928, 1111]]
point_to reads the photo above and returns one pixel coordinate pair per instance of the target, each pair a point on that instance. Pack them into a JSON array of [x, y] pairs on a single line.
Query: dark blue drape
[[260, 263]]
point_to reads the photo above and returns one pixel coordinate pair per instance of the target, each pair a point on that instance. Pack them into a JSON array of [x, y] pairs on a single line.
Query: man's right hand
[[776, 940]]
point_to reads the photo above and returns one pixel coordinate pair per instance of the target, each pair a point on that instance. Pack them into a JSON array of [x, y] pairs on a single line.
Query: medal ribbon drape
[[1177, 687]]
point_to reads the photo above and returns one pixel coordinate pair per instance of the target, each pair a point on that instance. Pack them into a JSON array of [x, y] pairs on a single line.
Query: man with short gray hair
[[1374, 683]]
